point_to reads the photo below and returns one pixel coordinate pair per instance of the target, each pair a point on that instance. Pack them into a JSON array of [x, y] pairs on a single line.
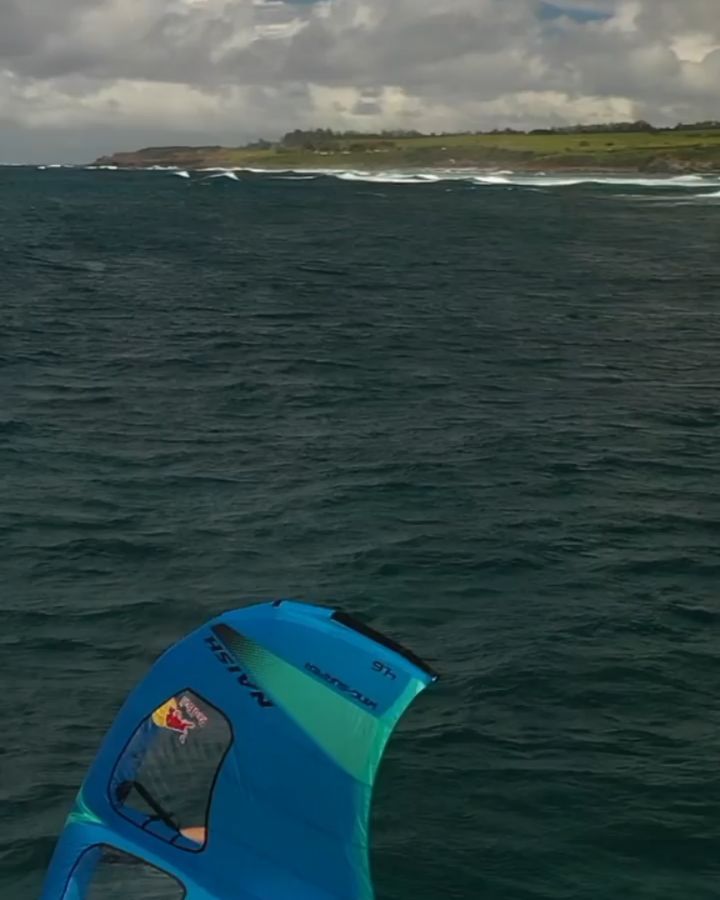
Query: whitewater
[[703, 186], [692, 186]]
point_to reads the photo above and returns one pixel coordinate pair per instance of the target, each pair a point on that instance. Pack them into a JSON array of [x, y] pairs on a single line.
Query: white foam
[[382, 177], [487, 178], [491, 179], [502, 178], [389, 177], [222, 170], [549, 181]]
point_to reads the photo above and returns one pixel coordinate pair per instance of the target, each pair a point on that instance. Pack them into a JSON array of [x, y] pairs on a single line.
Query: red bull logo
[[181, 716]]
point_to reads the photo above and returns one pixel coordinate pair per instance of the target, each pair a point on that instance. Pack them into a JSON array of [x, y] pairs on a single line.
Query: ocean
[[480, 412]]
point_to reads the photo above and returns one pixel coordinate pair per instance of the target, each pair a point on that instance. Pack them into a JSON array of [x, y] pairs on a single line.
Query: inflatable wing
[[242, 766]]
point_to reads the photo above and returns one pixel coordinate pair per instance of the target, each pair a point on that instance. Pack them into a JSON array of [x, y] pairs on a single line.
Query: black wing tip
[[357, 625], [360, 627]]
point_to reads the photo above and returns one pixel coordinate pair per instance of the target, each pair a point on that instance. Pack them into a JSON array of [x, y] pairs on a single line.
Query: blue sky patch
[[550, 11]]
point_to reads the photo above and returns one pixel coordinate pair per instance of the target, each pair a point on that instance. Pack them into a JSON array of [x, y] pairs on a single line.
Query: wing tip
[[357, 625], [350, 621]]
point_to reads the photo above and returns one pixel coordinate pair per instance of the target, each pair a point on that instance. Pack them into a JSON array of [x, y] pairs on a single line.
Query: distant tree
[[327, 139], [300, 138], [709, 125]]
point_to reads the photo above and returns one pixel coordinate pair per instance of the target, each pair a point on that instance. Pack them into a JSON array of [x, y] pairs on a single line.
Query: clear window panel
[[106, 873], [165, 777]]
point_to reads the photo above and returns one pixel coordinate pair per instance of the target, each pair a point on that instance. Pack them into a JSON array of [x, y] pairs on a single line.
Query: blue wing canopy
[[242, 766]]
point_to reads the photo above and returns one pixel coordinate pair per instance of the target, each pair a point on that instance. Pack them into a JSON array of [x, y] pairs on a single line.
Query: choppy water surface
[[482, 414]]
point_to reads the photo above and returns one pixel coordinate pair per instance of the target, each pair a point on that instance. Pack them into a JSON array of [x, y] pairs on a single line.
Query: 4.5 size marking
[[228, 660], [383, 669], [340, 685]]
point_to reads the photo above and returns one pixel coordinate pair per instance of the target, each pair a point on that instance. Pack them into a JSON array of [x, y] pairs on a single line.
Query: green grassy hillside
[[659, 151]]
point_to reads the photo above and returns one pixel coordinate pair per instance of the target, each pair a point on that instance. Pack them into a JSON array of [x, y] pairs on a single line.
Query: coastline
[[610, 153], [468, 167]]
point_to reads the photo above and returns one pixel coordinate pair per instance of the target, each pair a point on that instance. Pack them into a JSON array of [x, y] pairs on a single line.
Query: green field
[[659, 151]]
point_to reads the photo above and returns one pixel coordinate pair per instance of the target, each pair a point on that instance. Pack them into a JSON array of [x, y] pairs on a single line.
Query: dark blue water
[[486, 419]]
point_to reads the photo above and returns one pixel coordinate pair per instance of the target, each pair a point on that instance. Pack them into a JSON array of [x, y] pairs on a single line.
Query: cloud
[[78, 77]]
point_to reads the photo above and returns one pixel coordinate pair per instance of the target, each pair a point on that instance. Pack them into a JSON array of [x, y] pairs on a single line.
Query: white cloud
[[77, 74], [694, 47]]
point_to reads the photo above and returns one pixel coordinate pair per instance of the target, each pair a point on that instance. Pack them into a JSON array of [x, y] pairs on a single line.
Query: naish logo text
[[338, 683], [228, 660]]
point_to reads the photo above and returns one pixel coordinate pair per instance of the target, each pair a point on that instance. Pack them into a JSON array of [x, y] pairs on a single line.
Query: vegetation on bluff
[[629, 145]]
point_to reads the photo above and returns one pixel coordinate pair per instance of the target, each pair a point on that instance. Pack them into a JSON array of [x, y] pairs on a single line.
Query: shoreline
[[465, 168], [612, 153]]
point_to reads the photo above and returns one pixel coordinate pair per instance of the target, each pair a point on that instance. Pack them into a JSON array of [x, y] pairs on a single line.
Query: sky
[[79, 78]]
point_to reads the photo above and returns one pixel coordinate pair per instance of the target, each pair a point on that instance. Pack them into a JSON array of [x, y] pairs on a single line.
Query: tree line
[[327, 138]]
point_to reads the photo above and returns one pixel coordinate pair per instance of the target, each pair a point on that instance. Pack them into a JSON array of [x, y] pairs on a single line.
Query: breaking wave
[[543, 180], [389, 177], [694, 185], [227, 173]]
